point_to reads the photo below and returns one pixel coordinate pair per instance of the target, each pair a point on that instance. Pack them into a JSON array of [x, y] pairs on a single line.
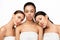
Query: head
[[29, 10], [18, 17], [42, 18]]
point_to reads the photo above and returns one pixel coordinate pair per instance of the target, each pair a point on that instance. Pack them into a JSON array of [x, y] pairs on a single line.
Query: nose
[[29, 13], [40, 22]]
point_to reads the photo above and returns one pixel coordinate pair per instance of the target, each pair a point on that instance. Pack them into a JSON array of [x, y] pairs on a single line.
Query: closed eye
[[40, 18], [19, 17]]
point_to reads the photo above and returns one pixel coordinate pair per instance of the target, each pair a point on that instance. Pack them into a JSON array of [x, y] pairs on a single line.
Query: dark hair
[[30, 3], [19, 11], [42, 13]]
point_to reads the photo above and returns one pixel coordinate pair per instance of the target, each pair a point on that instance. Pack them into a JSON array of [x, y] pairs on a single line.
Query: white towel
[[51, 36], [28, 36], [9, 38]]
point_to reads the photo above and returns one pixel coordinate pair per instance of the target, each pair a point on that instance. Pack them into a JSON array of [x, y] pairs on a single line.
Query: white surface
[[28, 36], [51, 36], [9, 38], [51, 7]]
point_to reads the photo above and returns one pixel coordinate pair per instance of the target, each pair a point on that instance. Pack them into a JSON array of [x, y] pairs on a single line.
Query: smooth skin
[[8, 29], [29, 25]]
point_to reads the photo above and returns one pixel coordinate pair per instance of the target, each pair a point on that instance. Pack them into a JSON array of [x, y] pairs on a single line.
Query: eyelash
[[40, 18], [37, 22], [19, 17]]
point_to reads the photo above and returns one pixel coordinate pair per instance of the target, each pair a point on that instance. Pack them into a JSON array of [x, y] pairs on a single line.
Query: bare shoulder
[[2, 29], [40, 30], [19, 27], [58, 26], [39, 27]]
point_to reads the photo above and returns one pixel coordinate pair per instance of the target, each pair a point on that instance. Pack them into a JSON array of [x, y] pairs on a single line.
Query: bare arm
[[40, 36], [17, 33], [59, 30], [2, 33]]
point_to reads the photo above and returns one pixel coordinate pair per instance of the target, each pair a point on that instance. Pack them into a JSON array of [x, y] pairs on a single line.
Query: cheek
[[32, 14], [37, 19], [45, 22], [16, 19]]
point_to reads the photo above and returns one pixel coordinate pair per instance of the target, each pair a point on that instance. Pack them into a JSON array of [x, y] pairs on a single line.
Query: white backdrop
[[51, 7]]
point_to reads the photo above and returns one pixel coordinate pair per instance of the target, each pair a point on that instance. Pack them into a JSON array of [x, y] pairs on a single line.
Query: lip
[[41, 25]]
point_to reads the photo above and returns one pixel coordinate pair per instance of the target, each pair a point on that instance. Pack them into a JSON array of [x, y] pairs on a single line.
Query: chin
[[16, 24], [29, 19], [44, 26]]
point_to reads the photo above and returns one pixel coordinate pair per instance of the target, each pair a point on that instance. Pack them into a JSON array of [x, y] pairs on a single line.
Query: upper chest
[[53, 29], [29, 27]]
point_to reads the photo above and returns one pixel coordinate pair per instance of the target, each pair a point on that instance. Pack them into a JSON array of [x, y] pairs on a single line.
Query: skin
[[8, 30], [18, 18], [44, 22], [29, 25]]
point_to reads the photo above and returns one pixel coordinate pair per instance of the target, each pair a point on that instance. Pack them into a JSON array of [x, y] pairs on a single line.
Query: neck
[[29, 21]]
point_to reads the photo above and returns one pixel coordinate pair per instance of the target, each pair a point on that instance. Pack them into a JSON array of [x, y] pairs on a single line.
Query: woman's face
[[18, 18], [29, 12], [41, 20]]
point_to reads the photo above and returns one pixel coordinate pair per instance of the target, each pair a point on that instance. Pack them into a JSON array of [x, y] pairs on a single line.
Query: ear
[[46, 16]]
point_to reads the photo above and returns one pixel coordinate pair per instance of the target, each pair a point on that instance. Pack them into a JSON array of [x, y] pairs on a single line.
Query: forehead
[[39, 16], [29, 7], [20, 14]]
